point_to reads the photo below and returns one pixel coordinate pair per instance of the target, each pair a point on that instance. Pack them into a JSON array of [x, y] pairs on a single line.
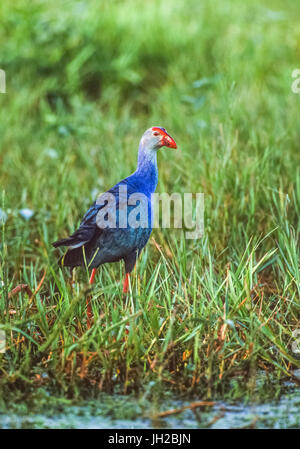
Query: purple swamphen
[[95, 242]]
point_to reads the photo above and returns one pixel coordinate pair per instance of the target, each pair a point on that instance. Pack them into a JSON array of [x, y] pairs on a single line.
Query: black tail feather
[[72, 258], [81, 255], [65, 242]]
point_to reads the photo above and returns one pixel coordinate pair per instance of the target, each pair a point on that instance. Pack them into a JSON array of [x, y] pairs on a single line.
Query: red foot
[[126, 283]]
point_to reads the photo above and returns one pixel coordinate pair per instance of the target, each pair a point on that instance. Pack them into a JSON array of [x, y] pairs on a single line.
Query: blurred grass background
[[84, 80]]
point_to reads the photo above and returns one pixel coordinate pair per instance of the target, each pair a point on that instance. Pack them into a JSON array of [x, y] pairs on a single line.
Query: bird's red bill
[[167, 140]]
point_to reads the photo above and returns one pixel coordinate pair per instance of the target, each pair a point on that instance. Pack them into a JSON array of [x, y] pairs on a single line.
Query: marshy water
[[128, 412]]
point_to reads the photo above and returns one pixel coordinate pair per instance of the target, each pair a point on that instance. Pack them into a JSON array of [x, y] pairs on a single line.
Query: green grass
[[86, 80]]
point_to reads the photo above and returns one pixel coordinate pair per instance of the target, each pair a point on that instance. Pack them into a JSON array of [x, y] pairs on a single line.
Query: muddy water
[[130, 413]]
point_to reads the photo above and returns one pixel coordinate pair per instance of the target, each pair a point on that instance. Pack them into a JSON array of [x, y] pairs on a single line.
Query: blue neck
[[147, 169]]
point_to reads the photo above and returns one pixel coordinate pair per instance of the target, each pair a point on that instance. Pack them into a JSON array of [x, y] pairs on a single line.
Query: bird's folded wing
[[89, 225]]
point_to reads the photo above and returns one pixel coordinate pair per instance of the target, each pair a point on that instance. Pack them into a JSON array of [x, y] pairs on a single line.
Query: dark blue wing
[[88, 228]]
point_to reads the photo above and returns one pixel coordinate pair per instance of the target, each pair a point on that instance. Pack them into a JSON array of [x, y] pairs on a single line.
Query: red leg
[[89, 313], [91, 281], [126, 283], [125, 290]]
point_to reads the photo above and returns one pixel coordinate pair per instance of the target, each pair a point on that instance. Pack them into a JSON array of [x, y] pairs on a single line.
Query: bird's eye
[[155, 134]]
